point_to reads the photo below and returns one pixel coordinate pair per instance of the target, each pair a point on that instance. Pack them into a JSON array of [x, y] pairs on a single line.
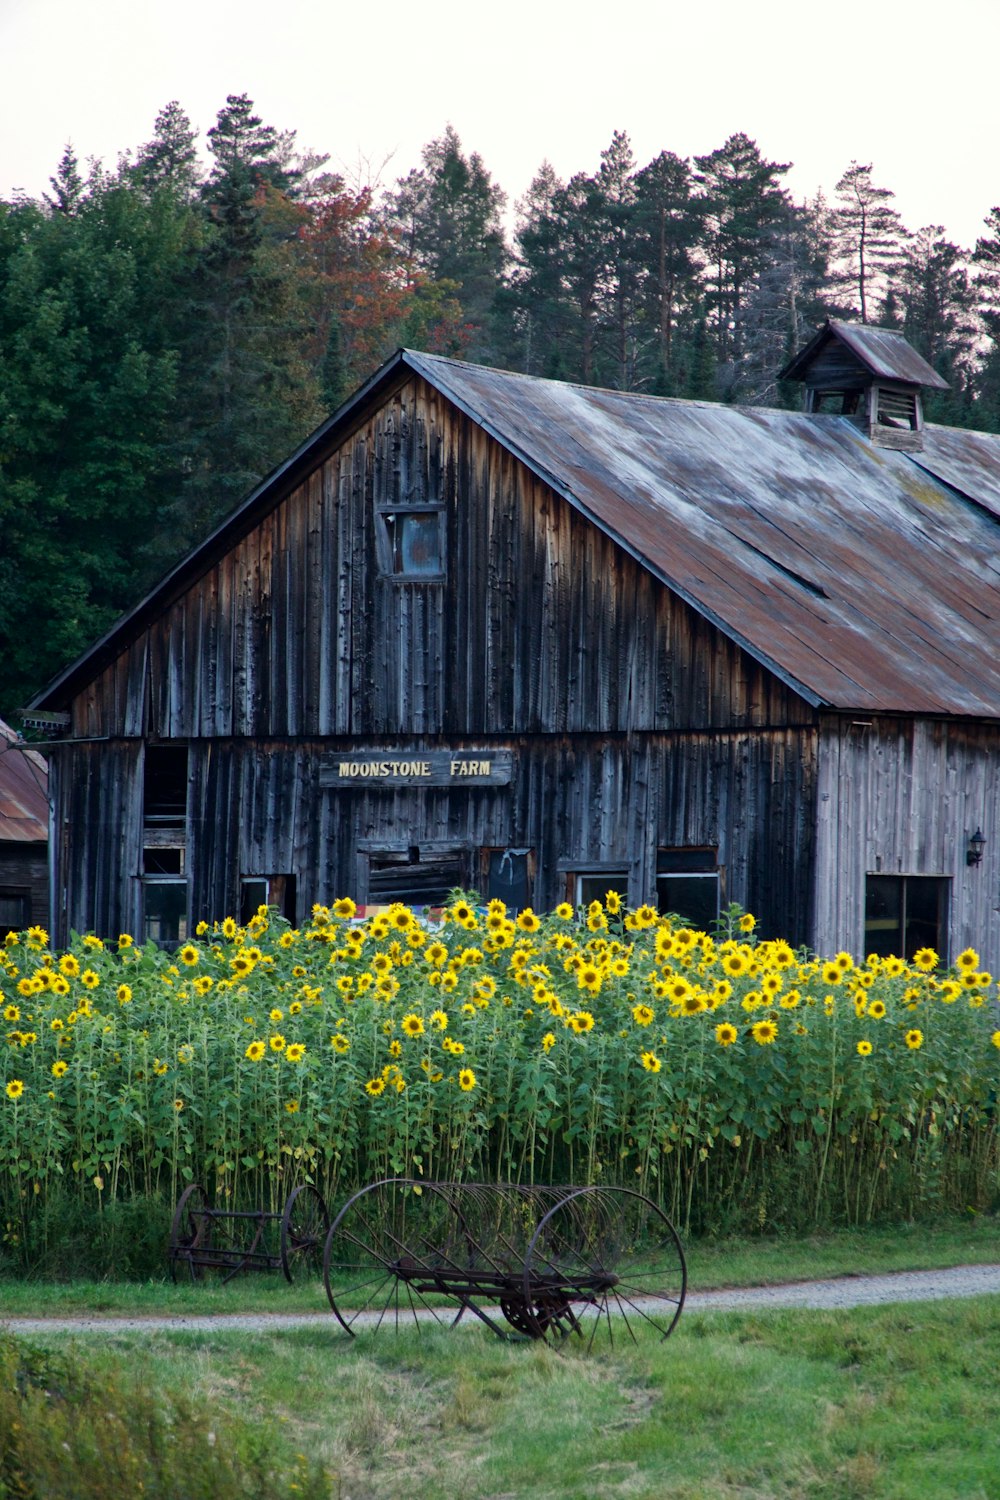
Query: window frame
[[388, 548], [944, 884]]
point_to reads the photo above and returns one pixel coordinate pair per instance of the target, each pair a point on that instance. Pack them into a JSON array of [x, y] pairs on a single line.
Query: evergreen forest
[[172, 327]]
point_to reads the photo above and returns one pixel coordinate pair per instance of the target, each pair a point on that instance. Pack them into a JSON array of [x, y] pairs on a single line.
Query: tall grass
[[741, 1084]]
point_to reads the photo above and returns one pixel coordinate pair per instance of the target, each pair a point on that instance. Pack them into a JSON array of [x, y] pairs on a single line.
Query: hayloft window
[[410, 542], [904, 913]]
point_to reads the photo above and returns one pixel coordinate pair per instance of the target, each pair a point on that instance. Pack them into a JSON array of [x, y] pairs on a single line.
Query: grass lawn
[[889, 1403]]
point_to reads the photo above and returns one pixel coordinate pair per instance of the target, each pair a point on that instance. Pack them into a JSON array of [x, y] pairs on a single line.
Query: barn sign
[[417, 768]]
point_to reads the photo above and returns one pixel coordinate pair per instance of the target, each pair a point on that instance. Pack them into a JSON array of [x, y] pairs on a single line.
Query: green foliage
[[741, 1085], [168, 336], [71, 1432]]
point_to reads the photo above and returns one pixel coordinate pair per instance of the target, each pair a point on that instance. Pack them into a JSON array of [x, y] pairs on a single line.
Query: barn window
[[15, 909], [687, 885], [267, 890], [411, 542], [593, 884], [509, 876], [164, 787], [164, 910], [904, 913]]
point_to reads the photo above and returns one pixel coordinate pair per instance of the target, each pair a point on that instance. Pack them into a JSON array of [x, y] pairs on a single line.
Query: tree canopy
[[171, 328]]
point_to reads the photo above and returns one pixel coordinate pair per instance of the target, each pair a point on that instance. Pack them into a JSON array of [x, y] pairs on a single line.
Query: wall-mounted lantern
[[974, 853]]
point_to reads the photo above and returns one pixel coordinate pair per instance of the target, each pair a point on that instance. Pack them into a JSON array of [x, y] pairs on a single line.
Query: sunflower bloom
[[296, 1052], [466, 1080], [726, 1034], [650, 1062], [864, 1049], [255, 1051], [764, 1032], [914, 1039], [15, 1088]]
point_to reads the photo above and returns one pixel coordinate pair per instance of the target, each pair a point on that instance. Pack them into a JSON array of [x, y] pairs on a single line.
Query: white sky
[[911, 88]]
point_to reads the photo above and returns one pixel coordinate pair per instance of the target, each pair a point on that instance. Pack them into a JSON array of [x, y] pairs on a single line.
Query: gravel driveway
[[844, 1291]]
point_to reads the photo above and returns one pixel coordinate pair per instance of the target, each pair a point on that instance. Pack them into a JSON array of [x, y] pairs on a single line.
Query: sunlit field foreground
[[885, 1403], [740, 1084]]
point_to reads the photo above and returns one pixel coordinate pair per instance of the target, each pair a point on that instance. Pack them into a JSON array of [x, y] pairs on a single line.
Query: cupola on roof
[[872, 375]]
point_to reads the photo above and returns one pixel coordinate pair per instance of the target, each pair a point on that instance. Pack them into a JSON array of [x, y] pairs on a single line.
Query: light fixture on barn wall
[[977, 843]]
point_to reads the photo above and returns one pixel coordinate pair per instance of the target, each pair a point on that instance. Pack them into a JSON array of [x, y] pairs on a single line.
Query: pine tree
[[938, 306], [986, 287], [742, 201], [170, 159], [447, 214], [667, 229], [868, 239]]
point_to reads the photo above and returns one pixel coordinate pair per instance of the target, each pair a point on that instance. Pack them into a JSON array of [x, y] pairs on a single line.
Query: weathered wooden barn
[[542, 640], [24, 832]]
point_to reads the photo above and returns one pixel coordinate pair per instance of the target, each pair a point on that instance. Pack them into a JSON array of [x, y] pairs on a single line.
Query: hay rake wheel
[[305, 1224], [604, 1261], [547, 1261], [190, 1232]]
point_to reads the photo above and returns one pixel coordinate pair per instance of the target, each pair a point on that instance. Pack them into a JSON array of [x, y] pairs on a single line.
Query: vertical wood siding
[[634, 724], [901, 797], [544, 625]]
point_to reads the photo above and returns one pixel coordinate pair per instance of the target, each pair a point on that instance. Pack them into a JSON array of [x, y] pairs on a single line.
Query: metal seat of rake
[[546, 1262]]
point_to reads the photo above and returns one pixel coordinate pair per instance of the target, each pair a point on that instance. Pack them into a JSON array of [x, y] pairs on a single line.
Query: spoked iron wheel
[[305, 1225], [604, 1263], [381, 1254], [190, 1231]]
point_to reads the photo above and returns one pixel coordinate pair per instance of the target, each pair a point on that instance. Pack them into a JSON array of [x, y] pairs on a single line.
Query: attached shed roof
[[866, 579], [24, 803]]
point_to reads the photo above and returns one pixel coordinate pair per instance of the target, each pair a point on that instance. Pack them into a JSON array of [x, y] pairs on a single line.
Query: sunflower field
[[738, 1082]]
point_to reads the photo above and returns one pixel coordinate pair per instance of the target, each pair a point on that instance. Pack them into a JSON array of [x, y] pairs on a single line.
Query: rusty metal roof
[[859, 575], [885, 354], [864, 578], [24, 804]]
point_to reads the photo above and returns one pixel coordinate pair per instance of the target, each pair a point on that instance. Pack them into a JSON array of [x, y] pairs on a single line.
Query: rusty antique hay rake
[[548, 1261], [203, 1238]]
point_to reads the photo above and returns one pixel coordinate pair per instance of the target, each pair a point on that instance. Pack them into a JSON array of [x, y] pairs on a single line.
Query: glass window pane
[[884, 915], [694, 898], [595, 887], [509, 878], [418, 544], [926, 916], [165, 911], [15, 908]]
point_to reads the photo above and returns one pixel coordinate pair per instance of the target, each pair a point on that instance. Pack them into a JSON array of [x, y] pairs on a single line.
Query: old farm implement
[[203, 1238], [543, 1261]]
